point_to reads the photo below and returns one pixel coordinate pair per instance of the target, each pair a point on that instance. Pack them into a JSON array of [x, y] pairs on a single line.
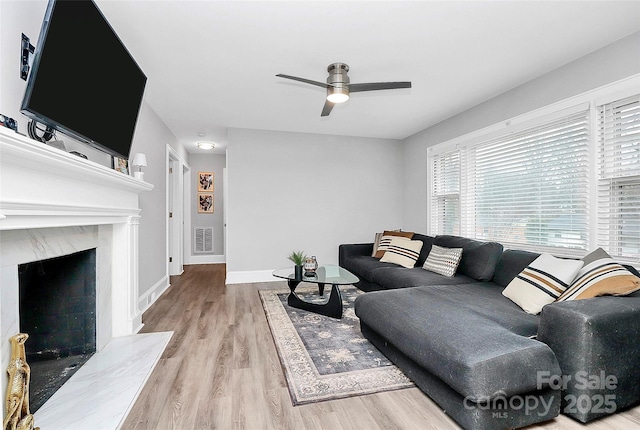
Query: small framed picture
[[121, 165], [205, 182], [205, 203]]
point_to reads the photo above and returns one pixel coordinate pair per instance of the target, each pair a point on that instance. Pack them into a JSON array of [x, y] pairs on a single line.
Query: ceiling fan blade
[[326, 110], [373, 86], [306, 81]]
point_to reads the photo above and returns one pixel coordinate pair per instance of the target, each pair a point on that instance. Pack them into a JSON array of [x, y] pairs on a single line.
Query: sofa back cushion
[[427, 243], [479, 259], [511, 263]]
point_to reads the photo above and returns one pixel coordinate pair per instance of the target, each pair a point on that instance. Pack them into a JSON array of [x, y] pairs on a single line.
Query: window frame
[[590, 101]]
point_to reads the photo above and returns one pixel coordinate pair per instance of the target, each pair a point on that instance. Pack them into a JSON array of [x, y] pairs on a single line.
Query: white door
[[175, 223]]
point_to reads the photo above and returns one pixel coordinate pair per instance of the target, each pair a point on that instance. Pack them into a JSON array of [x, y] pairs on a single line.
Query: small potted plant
[[298, 258]]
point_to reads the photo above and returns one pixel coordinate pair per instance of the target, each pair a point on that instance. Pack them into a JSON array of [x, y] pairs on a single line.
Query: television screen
[[84, 82]]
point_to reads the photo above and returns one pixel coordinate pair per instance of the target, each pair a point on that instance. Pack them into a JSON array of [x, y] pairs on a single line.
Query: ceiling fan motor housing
[[338, 79]]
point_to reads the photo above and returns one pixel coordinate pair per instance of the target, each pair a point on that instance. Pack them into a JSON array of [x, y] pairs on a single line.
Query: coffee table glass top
[[334, 275]]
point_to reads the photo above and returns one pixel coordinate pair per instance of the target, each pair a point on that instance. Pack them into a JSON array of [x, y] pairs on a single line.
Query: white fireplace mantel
[[42, 186], [52, 202]]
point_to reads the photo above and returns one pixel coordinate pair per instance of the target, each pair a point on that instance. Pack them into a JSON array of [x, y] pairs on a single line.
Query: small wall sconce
[[139, 161]]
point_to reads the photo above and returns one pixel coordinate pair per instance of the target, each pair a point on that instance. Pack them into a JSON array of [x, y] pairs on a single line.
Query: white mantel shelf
[[42, 186]]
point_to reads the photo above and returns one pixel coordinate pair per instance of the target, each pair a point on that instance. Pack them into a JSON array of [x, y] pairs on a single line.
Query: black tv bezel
[[33, 72]]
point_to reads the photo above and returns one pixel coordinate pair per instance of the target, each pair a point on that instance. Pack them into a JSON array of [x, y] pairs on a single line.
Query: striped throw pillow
[[443, 261], [601, 276], [542, 282], [385, 240], [402, 251]]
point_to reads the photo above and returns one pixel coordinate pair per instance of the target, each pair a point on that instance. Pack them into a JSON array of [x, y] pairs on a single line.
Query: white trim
[[18, 150], [178, 193], [250, 276], [592, 202], [186, 218], [151, 295], [205, 259]]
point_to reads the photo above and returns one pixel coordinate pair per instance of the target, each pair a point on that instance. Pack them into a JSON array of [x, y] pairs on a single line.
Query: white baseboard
[[151, 295], [251, 276], [205, 259]]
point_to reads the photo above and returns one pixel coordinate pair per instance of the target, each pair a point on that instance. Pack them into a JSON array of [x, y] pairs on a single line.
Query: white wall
[[609, 64], [151, 137], [295, 191], [207, 163]]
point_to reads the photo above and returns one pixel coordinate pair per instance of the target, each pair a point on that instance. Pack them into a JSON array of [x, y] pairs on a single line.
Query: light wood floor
[[221, 371]]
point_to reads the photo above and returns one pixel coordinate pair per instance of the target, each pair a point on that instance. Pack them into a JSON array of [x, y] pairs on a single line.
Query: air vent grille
[[202, 240]]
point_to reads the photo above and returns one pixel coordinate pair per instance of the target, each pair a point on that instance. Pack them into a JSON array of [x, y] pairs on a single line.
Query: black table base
[[332, 308]]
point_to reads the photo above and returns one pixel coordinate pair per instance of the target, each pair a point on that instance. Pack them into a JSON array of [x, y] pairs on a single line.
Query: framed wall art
[[205, 182], [120, 164], [205, 203]]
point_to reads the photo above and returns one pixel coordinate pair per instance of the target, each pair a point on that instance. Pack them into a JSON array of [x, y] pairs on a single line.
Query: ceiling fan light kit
[[339, 87], [337, 95]]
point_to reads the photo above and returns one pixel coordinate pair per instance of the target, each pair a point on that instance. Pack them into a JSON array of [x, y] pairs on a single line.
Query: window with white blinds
[[566, 184], [531, 187], [445, 195], [619, 179]]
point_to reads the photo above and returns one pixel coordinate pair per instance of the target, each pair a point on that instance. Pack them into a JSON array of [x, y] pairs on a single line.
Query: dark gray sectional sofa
[[485, 361]]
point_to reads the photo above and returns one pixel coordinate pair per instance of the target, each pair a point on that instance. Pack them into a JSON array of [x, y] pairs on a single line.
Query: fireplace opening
[[58, 312]]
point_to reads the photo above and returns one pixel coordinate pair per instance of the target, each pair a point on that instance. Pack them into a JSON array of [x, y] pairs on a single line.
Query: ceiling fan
[[339, 88]]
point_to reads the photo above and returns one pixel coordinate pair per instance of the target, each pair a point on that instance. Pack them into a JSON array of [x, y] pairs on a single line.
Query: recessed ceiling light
[[202, 134], [206, 145]]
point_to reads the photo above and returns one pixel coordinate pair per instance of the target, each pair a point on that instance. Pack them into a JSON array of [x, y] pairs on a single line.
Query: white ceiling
[[212, 64]]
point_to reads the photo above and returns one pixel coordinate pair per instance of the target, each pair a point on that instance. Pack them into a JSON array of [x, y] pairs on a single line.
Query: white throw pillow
[[376, 243], [385, 240], [443, 261], [542, 282], [402, 251]]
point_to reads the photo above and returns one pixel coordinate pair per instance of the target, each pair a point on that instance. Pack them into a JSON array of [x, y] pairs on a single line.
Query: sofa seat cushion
[[363, 266], [400, 277], [470, 336]]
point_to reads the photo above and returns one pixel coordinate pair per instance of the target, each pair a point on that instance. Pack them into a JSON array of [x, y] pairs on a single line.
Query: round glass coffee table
[[334, 275]]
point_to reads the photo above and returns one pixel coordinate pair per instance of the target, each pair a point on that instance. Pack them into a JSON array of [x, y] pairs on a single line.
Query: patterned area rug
[[325, 358]]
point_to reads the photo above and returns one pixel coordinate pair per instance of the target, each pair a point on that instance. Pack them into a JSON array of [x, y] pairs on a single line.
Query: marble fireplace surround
[[53, 203]]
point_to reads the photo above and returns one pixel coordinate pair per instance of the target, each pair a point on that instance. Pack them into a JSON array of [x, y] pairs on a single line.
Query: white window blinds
[[619, 179], [445, 202], [527, 188], [531, 187]]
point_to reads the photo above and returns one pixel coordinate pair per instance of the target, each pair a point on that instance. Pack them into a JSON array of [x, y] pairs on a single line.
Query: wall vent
[[202, 239]]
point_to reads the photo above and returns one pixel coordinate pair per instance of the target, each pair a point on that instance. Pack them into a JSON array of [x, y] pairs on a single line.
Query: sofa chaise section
[[474, 343]]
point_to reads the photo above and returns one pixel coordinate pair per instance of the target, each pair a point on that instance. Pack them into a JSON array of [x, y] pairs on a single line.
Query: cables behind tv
[[40, 132]]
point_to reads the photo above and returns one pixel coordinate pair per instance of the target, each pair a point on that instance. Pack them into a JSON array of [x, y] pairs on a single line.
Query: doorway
[[177, 190]]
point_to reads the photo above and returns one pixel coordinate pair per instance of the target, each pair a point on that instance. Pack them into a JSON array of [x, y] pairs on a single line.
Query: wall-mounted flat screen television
[[84, 82]]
